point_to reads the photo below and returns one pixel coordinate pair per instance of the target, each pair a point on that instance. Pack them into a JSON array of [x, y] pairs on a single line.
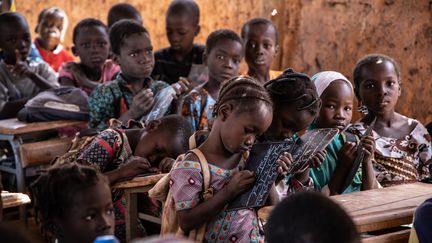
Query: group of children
[[122, 75]]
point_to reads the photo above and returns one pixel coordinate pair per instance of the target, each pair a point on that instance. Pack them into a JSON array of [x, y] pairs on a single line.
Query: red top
[[54, 58]]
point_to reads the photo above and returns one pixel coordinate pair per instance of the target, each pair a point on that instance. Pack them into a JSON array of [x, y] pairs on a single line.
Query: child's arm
[[80, 78], [182, 87], [11, 108], [368, 175], [141, 105], [192, 218], [135, 166], [346, 157]]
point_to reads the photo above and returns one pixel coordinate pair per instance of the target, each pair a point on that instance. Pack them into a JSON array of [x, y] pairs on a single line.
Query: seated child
[[422, 221], [73, 203], [91, 45], [222, 56], [51, 28], [20, 78], [295, 105], [121, 11], [243, 111], [124, 153], [130, 94], [315, 219], [402, 145], [182, 26], [260, 38], [337, 97]]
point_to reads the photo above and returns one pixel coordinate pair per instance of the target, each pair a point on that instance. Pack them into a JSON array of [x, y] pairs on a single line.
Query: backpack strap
[[208, 192]]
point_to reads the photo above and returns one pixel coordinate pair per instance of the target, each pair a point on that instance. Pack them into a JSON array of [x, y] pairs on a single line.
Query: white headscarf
[[323, 79]]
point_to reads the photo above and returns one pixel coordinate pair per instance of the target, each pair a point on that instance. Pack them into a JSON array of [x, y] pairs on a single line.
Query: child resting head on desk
[[124, 153], [74, 203]]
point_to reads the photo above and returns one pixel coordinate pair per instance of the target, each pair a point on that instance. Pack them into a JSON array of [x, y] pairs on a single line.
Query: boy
[[182, 26], [223, 54], [20, 78], [130, 94], [260, 38]]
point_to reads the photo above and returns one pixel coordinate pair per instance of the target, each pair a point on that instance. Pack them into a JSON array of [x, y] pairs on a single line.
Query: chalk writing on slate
[[263, 161]]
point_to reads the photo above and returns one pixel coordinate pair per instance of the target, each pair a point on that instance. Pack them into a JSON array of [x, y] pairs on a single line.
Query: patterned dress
[[198, 109], [228, 226], [401, 161]]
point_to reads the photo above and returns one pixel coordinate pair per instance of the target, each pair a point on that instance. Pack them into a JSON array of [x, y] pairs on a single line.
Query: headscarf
[[323, 79]]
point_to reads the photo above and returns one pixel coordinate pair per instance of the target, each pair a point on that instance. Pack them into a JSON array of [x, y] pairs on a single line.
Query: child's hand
[[317, 159], [80, 77], [182, 86], [142, 103], [368, 144], [166, 164], [284, 161], [240, 182], [348, 153], [135, 166], [21, 67]]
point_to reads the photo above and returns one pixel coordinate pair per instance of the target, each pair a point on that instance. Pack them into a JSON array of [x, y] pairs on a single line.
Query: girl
[[74, 203], [91, 45], [337, 95], [243, 111], [402, 144]]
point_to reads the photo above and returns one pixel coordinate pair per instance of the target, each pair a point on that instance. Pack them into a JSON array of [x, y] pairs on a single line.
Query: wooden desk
[[380, 208], [131, 188], [11, 199], [14, 131]]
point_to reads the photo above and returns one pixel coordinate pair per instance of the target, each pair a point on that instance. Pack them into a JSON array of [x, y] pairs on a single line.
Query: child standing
[[182, 26], [222, 56], [243, 111], [130, 95], [402, 144], [337, 97], [91, 45], [260, 38], [74, 203], [51, 28], [121, 11], [20, 78]]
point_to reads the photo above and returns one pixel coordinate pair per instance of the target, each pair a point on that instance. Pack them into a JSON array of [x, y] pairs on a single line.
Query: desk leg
[[20, 176], [131, 215]]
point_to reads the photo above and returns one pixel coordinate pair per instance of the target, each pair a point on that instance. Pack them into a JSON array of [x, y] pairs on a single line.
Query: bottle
[[106, 239]]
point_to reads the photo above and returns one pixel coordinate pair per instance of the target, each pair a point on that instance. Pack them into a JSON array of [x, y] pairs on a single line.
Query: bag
[[169, 215], [65, 103]]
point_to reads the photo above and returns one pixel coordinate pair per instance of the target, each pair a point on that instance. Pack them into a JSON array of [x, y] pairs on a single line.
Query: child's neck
[[217, 155], [91, 73], [213, 87], [180, 55], [45, 46], [262, 75], [135, 84]]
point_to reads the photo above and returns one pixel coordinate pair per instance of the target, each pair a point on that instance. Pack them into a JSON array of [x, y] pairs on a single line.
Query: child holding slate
[[337, 96], [243, 111]]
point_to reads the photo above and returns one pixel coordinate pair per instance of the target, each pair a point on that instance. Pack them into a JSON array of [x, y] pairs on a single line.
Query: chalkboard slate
[[263, 161]]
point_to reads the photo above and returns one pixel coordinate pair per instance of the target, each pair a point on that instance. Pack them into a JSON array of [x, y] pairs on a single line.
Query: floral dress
[[401, 160], [198, 109], [228, 226]]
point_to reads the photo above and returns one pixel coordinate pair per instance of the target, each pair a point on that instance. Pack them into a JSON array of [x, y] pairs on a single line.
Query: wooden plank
[[401, 236], [12, 199], [43, 152], [14, 127], [140, 181]]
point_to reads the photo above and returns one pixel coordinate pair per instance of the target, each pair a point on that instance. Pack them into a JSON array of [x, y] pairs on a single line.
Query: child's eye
[[391, 83], [110, 211], [370, 86], [85, 45], [12, 40], [89, 217], [134, 54], [236, 61], [348, 108], [330, 106], [102, 44], [252, 44], [149, 51], [248, 130], [220, 57], [267, 46], [182, 32]]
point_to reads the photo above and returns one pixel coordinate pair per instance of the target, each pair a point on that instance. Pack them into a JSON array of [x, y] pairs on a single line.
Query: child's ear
[[53, 228], [74, 51], [115, 58], [399, 89], [205, 56], [197, 30], [153, 125], [224, 111], [36, 28], [276, 50]]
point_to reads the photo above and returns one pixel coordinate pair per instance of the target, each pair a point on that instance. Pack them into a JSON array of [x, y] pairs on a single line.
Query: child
[[243, 111], [402, 144], [295, 105], [124, 153], [223, 55], [51, 28], [260, 38], [130, 95], [91, 45], [337, 97], [121, 11], [315, 219], [182, 26], [74, 203], [20, 78]]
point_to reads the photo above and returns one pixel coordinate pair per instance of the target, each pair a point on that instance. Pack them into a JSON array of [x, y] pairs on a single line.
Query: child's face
[[289, 120], [260, 46], [337, 104], [92, 46], [224, 59], [136, 57], [50, 30], [239, 130], [15, 40], [379, 87], [181, 32], [156, 145], [91, 216]]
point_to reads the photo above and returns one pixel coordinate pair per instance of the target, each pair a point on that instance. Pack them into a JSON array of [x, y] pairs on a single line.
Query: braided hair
[[54, 191], [244, 93], [294, 88]]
